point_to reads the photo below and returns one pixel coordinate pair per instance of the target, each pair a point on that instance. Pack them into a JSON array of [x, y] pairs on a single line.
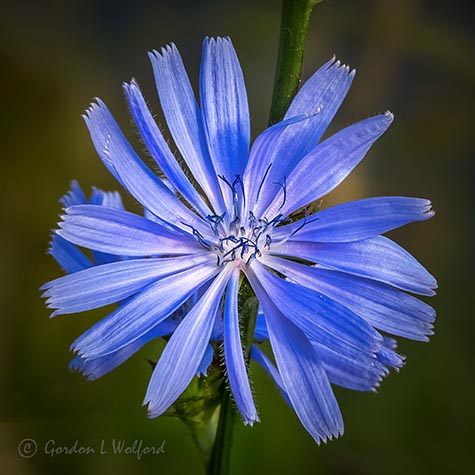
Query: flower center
[[243, 244], [233, 248], [238, 240]]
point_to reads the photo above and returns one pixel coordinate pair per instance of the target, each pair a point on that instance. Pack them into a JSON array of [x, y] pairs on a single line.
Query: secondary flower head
[[327, 281]]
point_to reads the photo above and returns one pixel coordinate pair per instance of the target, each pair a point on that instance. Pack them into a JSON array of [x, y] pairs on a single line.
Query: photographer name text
[[137, 448]]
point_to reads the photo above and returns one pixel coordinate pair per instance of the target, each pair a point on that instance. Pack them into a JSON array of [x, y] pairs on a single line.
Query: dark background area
[[412, 57]]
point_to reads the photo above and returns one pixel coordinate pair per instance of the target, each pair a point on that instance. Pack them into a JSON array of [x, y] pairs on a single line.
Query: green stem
[[293, 32], [221, 456]]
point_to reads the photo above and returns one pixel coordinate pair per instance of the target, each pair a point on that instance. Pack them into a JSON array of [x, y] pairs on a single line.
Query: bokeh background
[[413, 57]]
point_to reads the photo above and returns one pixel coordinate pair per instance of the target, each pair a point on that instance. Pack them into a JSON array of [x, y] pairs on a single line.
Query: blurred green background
[[413, 57]]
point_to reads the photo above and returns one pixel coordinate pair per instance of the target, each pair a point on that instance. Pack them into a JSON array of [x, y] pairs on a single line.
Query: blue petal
[[321, 318], [389, 357], [122, 233], [95, 368], [267, 364], [352, 373], [233, 354], [102, 285], [323, 94], [218, 329], [206, 361], [349, 372], [303, 376], [184, 120], [67, 255], [261, 332], [98, 197], [142, 312], [389, 342], [357, 220], [101, 258], [328, 164], [184, 352], [286, 143], [377, 258], [381, 305], [224, 108], [75, 196], [116, 152], [274, 154], [159, 149], [110, 199]]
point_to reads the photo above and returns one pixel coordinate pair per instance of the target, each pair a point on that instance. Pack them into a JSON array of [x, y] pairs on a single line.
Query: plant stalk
[[293, 32]]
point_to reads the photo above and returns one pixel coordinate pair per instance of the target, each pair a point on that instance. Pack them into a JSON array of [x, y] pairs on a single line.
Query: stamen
[[275, 221], [256, 232], [303, 224], [268, 242], [262, 181], [236, 212], [215, 220], [222, 177], [252, 219], [284, 188], [239, 181], [251, 257], [264, 222], [200, 238]]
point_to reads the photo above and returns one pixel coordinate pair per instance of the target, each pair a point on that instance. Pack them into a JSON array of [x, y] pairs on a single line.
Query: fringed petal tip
[[75, 195], [129, 87], [152, 410], [427, 209], [82, 355], [151, 414], [334, 63], [163, 52], [325, 438], [389, 115], [78, 365], [217, 40], [94, 107], [45, 288], [381, 122], [390, 359], [54, 314], [251, 421]]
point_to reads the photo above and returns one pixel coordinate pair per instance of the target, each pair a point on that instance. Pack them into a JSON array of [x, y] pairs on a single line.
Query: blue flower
[[327, 281]]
